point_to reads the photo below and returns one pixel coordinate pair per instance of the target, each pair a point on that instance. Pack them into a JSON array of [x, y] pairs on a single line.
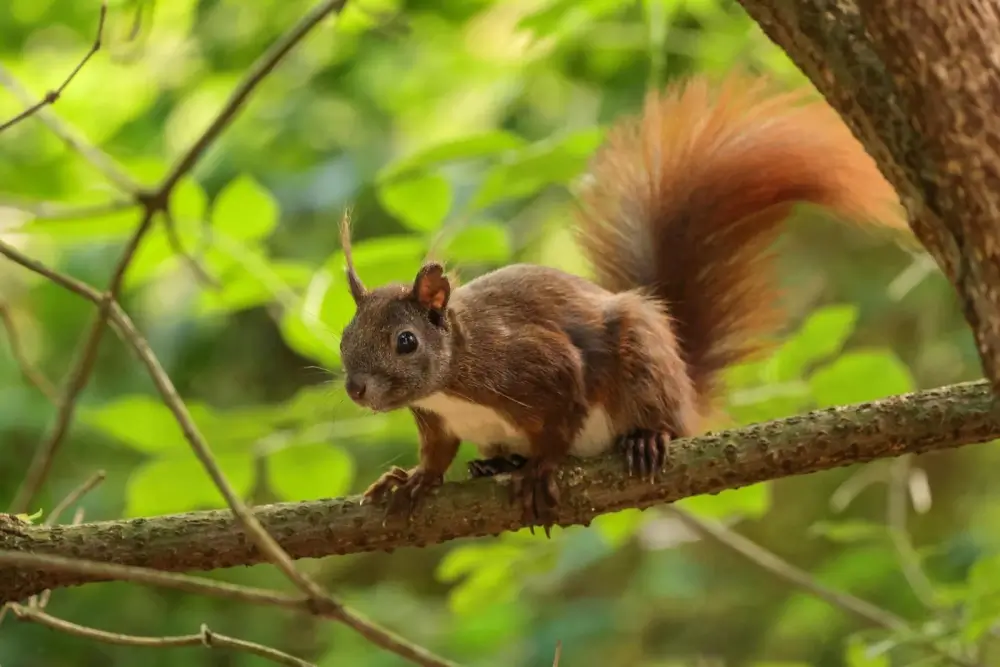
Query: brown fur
[[683, 204]]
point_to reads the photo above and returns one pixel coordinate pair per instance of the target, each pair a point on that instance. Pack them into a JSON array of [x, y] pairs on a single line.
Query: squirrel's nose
[[356, 388]]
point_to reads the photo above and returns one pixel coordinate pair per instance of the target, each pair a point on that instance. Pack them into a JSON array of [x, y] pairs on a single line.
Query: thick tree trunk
[[918, 81]]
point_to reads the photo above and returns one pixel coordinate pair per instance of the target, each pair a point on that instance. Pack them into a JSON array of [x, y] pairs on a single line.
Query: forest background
[[474, 118]]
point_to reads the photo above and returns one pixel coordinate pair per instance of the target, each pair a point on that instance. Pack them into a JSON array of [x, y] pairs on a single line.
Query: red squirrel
[[532, 364]]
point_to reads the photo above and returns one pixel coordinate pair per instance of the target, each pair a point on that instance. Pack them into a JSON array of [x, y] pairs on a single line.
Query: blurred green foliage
[[457, 127]]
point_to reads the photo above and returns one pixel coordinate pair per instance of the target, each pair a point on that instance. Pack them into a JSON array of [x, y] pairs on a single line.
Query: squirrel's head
[[398, 346]]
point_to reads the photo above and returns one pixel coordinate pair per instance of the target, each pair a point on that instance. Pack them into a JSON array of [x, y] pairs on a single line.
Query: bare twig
[[52, 212], [150, 577], [201, 586], [86, 355], [52, 96], [258, 71], [897, 490], [205, 637], [783, 570], [319, 601], [74, 497], [558, 655], [105, 164], [28, 370], [173, 238]]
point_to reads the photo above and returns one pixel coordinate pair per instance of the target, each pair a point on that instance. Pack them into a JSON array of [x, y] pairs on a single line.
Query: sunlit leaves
[[310, 471], [486, 243], [245, 210], [488, 575], [750, 502], [420, 202], [178, 482], [526, 172], [474, 146], [860, 376]]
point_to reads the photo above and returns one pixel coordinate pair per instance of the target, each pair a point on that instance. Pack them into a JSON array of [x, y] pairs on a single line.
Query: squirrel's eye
[[406, 343]]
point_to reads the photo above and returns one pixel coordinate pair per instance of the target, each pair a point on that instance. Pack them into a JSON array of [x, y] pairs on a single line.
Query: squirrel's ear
[[358, 291], [431, 289]]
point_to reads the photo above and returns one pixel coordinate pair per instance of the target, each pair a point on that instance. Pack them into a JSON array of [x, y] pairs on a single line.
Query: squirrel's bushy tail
[[685, 201]]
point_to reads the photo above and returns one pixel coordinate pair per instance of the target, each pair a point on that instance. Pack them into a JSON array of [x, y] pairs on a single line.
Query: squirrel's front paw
[[403, 489]]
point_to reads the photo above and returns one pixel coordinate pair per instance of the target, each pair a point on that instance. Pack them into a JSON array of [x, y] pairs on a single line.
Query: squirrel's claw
[[403, 489], [534, 485], [384, 485], [645, 452], [497, 465]]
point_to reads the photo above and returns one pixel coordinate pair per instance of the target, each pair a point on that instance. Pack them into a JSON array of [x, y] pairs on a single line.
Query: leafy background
[[471, 118]]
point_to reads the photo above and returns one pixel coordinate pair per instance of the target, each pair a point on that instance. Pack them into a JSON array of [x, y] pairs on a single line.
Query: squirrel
[[676, 216]]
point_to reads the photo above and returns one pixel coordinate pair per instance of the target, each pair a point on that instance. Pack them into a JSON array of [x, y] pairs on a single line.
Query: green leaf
[[245, 210], [848, 531], [309, 472], [420, 202], [982, 597], [860, 376], [474, 146], [309, 337], [487, 243], [857, 654], [562, 14], [749, 502], [141, 422], [30, 518], [550, 162], [181, 484], [488, 574], [618, 527], [820, 337], [250, 289]]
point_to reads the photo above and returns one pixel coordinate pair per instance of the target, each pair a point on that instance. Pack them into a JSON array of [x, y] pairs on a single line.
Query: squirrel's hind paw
[[534, 485], [645, 452]]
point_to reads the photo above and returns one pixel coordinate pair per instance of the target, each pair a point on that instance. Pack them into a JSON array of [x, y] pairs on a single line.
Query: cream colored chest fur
[[494, 435]]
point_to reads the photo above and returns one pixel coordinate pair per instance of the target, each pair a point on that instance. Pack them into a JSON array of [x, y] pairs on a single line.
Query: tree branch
[[820, 440], [766, 560], [52, 96], [205, 637], [917, 82]]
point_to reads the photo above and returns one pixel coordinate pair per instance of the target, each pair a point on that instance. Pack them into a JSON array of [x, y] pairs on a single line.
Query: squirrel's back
[[685, 200]]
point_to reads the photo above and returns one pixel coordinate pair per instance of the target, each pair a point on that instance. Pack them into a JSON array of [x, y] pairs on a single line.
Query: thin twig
[[104, 163], [220, 589], [86, 355], [173, 238], [28, 370], [258, 71], [319, 599], [151, 577], [74, 497], [205, 637], [558, 655], [53, 212], [52, 96], [783, 570], [897, 490]]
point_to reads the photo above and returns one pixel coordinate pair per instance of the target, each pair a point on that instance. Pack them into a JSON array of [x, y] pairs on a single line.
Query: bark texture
[[918, 81], [824, 439]]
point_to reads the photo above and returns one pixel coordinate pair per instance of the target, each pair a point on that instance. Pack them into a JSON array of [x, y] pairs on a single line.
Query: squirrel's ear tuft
[[358, 291], [431, 288]]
